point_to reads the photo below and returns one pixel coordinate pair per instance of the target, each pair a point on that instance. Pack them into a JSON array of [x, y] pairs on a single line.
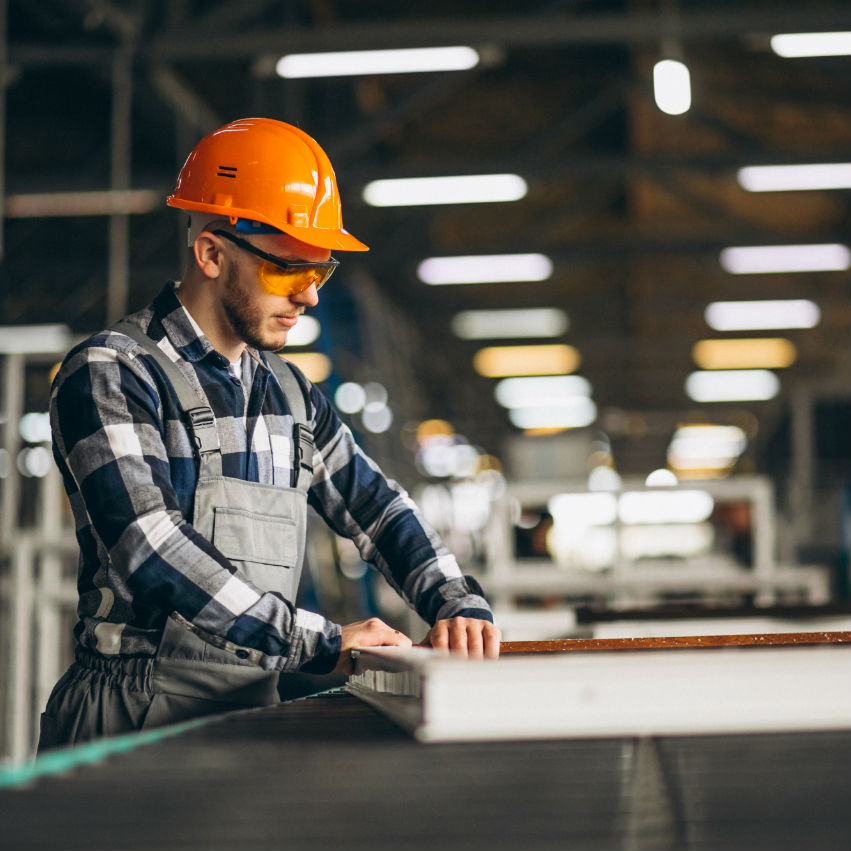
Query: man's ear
[[207, 250]]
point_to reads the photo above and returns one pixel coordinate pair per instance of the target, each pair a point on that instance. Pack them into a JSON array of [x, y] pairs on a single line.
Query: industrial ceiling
[[633, 206]]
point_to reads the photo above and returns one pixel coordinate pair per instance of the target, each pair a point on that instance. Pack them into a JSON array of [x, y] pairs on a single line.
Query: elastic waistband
[[130, 672], [239, 685]]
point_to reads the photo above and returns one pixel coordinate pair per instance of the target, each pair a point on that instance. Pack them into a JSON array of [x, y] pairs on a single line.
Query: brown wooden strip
[[674, 642]]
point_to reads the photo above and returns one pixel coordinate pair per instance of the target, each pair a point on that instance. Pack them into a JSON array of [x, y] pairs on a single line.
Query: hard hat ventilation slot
[[226, 171]]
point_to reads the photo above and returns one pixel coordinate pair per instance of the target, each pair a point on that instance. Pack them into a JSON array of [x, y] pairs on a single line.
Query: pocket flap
[[248, 536]]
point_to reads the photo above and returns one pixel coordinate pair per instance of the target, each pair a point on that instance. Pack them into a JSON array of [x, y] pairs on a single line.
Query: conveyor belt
[[327, 772]]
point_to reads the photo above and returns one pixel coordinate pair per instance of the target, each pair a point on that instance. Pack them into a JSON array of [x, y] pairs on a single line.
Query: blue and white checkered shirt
[[129, 471]]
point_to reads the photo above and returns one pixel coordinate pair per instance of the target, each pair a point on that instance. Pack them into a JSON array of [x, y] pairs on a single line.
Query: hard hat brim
[[340, 240], [335, 240]]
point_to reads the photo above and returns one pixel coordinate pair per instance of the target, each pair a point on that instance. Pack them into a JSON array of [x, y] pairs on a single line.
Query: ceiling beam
[[515, 31]]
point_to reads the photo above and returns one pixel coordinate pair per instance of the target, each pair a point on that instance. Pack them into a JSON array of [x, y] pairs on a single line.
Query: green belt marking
[[64, 759]]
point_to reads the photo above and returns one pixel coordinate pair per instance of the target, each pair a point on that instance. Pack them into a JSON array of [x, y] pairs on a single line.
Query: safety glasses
[[282, 277]]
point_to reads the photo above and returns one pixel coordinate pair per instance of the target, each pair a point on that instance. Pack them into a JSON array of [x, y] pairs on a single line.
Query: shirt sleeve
[[358, 501], [107, 421]]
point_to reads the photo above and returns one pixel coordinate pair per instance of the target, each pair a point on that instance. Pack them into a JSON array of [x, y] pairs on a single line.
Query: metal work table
[[329, 772]]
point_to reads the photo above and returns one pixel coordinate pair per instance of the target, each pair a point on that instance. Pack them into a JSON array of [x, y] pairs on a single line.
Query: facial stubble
[[245, 318]]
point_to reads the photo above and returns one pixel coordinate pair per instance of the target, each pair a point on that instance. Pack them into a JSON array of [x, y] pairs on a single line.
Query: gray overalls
[[261, 529]]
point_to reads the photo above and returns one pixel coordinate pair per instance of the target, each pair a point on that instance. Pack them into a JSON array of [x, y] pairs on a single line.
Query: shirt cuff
[[478, 614], [327, 653]]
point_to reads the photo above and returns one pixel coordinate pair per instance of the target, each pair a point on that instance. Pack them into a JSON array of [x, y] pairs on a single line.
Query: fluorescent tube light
[[651, 541], [763, 259], [793, 178], [305, 331], [580, 412], [541, 390], [424, 191], [796, 45], [672, 86], [502, 361], [702, 447], [732, 385], [350, 63], [34, 339], [675, 506], [583, 509], [762, 315], [661, 478], [350, 397], [754, 353], [485, 269], [107, 202], [377, 420], [604, 479], [316, 366], [511, 324]]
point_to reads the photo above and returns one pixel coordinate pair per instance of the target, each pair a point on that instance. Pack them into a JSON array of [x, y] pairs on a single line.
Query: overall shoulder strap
[[302, 435], [199, 417]]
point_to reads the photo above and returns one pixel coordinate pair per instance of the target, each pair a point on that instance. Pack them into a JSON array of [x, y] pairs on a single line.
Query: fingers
[[372, 632], [491, 638], [470, 637]]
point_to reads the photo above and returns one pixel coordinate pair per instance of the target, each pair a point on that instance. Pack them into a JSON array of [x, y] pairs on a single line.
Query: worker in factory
[[190, 453]]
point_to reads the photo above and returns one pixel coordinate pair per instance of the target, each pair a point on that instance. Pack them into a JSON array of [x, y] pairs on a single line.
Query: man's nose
[[309, 297]]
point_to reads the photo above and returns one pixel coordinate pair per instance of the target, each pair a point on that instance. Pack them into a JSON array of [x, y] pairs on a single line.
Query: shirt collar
[[183, 331]]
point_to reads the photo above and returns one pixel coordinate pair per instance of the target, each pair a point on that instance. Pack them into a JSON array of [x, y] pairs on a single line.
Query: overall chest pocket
[[251, 537]]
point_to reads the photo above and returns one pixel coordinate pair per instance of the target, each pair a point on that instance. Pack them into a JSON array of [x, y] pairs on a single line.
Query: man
[[190, 456]]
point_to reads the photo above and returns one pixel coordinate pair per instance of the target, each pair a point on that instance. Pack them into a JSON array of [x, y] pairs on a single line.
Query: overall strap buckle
[[202, 426], [302, 456]]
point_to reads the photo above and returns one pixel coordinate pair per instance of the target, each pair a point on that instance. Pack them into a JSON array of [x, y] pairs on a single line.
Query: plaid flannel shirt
[[128, 468]]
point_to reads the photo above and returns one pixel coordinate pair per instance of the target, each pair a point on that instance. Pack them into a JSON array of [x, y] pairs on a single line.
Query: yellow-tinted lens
[[286, 282]]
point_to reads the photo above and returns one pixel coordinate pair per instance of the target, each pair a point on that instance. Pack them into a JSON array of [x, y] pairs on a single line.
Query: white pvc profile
[[580, 695]]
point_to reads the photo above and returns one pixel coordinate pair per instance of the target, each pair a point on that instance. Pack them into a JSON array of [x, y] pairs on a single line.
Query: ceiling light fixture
[[509, 324], [304, 332], [765, 259], [350, 63], [315, 365], [762, 315], [106, 202], [661, 478], [426, 191], [540, 390], [797, 45], [677, 506], [34, 339], [502, 361], [706, 447], [580, 412], [795, 178], [672, 86], [485, 269], [757, 352], [732, 385]]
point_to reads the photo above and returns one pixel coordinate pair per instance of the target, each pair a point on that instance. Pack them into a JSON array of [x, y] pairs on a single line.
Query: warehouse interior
[[583, 427]]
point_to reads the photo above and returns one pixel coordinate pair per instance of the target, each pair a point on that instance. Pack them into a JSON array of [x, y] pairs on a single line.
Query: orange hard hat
[[266, 171]]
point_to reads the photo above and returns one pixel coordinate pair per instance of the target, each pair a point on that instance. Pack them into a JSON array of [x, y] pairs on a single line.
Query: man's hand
[[469, 637], [369, 633]]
